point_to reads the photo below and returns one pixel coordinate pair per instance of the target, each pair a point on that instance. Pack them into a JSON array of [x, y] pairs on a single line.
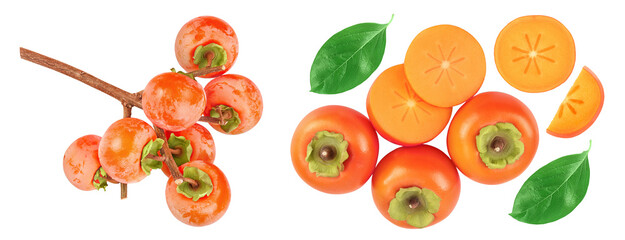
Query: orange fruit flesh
[[580, 108], [445, 65], [399, 115], [535, 53]]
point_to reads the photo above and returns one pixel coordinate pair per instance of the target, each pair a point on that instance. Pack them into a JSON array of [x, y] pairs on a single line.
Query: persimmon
[[173, 101], [82, 165], [206, 41], [201, 205], [399, 114], [334, 149], [121, 149], [492, 138], [201, 144], [445, 65], [580, 107], [415, 187], [236, 99], [535, 53]]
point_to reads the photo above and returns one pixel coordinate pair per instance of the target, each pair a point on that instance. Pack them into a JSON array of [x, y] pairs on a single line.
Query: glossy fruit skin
[[173, 101], [362, 147], [422, 166], [205, 210], [81, 161], [486, 109], [121, 147], [202, 31], [239, 93], [201, 141]]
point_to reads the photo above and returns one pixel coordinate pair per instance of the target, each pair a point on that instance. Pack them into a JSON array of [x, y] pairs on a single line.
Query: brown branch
[[204, 71], [169, 161], [56, 65]]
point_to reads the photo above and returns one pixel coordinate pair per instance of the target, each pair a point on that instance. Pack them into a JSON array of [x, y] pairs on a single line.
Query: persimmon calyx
[[184, 145], [99, 179], [326, 153], [204, 184], [228, 118], [414, 205], [499, 145], [151, 149], [210, 55]]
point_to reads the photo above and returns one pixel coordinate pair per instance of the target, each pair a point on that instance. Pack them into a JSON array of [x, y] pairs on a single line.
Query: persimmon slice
[[535, 53], [445, 65], [580, 108], [399, 115]]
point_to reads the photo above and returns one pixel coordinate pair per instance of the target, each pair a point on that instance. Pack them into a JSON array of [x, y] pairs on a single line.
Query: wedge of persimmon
[[580, 108], [399, 115], [535, 53], [445, 65]]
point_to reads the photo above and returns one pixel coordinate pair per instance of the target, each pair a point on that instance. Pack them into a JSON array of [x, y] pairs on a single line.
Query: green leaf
[[348, 58], [553, 191]]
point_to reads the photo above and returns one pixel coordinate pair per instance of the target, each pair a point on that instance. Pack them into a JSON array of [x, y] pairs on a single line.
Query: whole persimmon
[[415, 187], [334, 149], [121, 149], [203, 204], [82, 165], [492, 138]]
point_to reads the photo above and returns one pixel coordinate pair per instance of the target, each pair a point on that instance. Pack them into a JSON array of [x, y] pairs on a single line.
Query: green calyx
[[204, 187], [231, 119], [175, 142], [183, 73], [326, 153], [414, 205], [99, 179], [211, 55], [499, 145], [151, 149]]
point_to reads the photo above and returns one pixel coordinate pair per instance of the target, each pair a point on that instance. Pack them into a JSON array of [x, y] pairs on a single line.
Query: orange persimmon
[[445, 65], [535, 53], [580, 108], [399, 115]]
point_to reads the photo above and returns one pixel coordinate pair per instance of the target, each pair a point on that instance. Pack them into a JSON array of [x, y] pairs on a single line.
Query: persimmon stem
[[221, 120], [110, 179], [207, 70], [86, 78], [169, 161]]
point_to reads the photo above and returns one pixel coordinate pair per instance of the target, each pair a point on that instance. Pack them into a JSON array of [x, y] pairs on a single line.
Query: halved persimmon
[[580, 108], [535, 53], [445, 65], [399, 115]]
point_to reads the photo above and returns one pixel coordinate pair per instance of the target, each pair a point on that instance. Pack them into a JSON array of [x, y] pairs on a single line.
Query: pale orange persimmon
[[445, 65], [535, 53], [399, 115], [580, 108]]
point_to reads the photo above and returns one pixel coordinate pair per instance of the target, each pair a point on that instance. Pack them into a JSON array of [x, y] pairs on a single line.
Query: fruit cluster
[[197, 191], [491, 139]]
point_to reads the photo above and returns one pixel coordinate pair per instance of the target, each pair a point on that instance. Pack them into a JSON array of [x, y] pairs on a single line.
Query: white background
[[127, 43]]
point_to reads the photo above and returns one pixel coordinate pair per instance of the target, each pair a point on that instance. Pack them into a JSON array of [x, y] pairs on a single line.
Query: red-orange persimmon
[[334, 149], [207, 209], [173, 101], [415, 187], [492, 138], [121, 148], [202, 32]]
